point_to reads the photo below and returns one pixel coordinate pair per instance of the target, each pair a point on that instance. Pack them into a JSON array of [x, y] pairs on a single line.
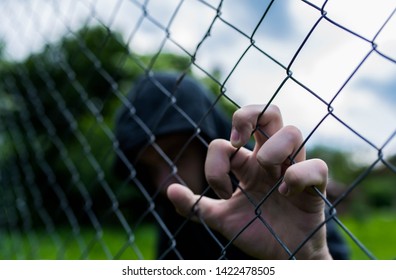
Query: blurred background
[[66, 66]]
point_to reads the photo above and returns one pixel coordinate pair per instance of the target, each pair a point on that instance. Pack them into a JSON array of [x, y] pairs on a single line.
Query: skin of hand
[[293, 211]]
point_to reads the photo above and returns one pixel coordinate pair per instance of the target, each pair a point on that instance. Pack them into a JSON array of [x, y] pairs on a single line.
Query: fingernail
[[283, 189], [223, 194], [235, 138]]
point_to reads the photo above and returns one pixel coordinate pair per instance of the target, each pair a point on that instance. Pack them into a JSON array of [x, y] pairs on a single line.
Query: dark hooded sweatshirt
[[166, 103]]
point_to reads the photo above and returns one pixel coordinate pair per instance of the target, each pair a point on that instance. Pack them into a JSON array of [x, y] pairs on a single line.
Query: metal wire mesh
[[66, 67]]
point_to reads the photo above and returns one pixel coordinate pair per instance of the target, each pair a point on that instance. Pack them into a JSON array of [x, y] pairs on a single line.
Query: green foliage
[[224, 102], [341, 166], [63, 102], [380, 190], [373, 187], [2, 48]]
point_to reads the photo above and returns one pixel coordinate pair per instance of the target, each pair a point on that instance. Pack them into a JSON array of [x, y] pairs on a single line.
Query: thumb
[[196, 207]]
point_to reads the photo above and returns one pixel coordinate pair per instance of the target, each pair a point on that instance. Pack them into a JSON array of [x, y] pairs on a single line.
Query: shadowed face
[[174, 159]]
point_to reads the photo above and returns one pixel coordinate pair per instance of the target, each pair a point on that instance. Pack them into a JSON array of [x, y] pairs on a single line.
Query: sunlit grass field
[[111, 243], [377, 232]]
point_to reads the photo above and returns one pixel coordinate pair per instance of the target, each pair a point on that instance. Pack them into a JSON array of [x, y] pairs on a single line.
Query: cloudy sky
[[366, 103]]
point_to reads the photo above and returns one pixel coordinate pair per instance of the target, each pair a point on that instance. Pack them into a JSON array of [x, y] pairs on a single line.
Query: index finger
[[218, 166], [248, 118]]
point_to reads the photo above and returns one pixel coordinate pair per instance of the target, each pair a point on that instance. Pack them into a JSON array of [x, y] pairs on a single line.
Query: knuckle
[[293, 177], [247, 113], [212, 178], [275, 110], [263, 159], [215, 144], [321, 168], [293, 133]]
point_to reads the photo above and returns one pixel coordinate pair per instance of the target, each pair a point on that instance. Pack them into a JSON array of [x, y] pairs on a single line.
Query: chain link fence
[[67, 67]]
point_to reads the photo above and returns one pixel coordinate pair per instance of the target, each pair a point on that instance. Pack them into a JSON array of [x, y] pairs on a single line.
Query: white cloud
[[324, 64]]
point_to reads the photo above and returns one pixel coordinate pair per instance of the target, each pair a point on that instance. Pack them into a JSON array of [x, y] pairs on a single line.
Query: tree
[[66, 97]]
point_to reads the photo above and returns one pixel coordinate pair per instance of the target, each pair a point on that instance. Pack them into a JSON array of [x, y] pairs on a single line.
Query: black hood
[[165, 103]]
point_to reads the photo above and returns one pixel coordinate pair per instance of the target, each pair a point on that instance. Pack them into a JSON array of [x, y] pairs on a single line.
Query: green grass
[[377, 232], [87, 244]]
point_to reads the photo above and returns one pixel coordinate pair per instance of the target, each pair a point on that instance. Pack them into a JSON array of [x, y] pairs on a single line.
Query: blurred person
[[163, 132]]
